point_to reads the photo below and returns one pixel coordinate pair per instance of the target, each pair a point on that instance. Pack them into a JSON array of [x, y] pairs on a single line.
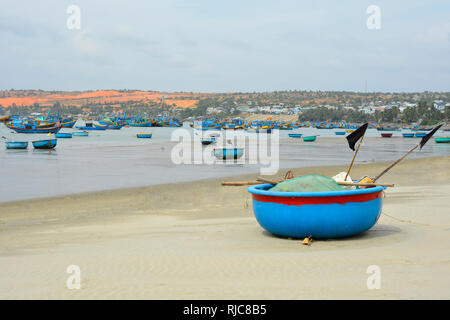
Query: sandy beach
[[199, 240]]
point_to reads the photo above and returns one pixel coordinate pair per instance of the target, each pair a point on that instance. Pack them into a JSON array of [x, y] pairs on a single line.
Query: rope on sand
[[407, 221]]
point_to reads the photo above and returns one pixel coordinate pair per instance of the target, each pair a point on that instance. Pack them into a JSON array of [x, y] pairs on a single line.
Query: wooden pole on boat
[[353, 160], [421, 144]]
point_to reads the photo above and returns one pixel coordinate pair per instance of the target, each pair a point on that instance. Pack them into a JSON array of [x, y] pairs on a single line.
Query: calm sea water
[[117, 159]]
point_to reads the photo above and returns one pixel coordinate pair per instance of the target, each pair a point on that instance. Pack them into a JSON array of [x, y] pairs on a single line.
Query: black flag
[[353, 137], [428, 136]]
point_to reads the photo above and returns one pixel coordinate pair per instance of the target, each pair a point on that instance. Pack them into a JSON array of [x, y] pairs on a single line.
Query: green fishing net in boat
[[311, 183]]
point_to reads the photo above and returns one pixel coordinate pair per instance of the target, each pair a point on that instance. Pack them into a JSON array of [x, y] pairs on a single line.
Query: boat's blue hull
[[333, 214], [45, 144], [228, 153], [16, 144], [81, 134], [63, 135], [295, 135]]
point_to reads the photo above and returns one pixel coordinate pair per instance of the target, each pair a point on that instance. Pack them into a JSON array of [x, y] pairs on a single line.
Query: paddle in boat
[[64, 135], [45, 144], [442, 139], [16, 144], [142, 135], [228, 153]]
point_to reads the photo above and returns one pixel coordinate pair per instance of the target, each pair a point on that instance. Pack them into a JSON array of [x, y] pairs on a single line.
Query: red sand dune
[[182, 100]]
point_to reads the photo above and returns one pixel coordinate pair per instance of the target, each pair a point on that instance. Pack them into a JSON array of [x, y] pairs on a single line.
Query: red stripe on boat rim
[[298, 201]]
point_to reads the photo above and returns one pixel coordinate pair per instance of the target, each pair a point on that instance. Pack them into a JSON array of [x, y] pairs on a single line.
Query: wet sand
[[199, 240]]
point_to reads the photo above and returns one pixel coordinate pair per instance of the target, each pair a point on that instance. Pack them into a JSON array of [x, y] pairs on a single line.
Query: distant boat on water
[[142, 135], [340, 133], [309, 138], [408, 135], [81, 134], [295, 135], [386, 135], [16, 144], [63, 135], [442, 139], [228, 153], [45, 144]]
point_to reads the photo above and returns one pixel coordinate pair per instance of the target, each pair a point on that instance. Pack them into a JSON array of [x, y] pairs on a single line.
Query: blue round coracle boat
[[332, 214]]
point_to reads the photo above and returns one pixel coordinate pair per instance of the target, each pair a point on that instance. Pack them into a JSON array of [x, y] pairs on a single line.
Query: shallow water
[[117, 159]]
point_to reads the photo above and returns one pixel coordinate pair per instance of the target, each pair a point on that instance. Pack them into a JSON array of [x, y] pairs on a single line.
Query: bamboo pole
[[354, 157]]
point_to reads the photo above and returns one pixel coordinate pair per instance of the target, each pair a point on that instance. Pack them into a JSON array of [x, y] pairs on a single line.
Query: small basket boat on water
[[309, 138], [207, 140], [295, 135], [228, 153], [64, 135], [442, 139], [45, 144], [16, 144], [386, 135], [81, 134], [142, 135], [340, 133]]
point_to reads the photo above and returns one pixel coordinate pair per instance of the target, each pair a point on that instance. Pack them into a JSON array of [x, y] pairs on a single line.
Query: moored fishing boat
[[420, 134], [442, 139], [64, 135], [68, 123], [386, 135], [16, 144], [295, 135], [34, 129], [340, 133], [349, 130], [332, 214], [408, 135], [45, 144], [228, 153], [142, 135]]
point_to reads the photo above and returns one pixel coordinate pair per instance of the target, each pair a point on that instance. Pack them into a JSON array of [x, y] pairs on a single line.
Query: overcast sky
[[233, 45]]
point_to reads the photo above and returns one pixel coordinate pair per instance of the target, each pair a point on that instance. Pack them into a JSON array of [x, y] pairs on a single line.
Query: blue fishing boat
[[332, 214], [408, 135], [45, 144], [420, 134], [16, 144], [295, 135], [109, 127], [35, 129], [63, 135], [340, 133], [142, 135], [89, 126], [207, 140], [80, 134], [68, 123], [228, 153]]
